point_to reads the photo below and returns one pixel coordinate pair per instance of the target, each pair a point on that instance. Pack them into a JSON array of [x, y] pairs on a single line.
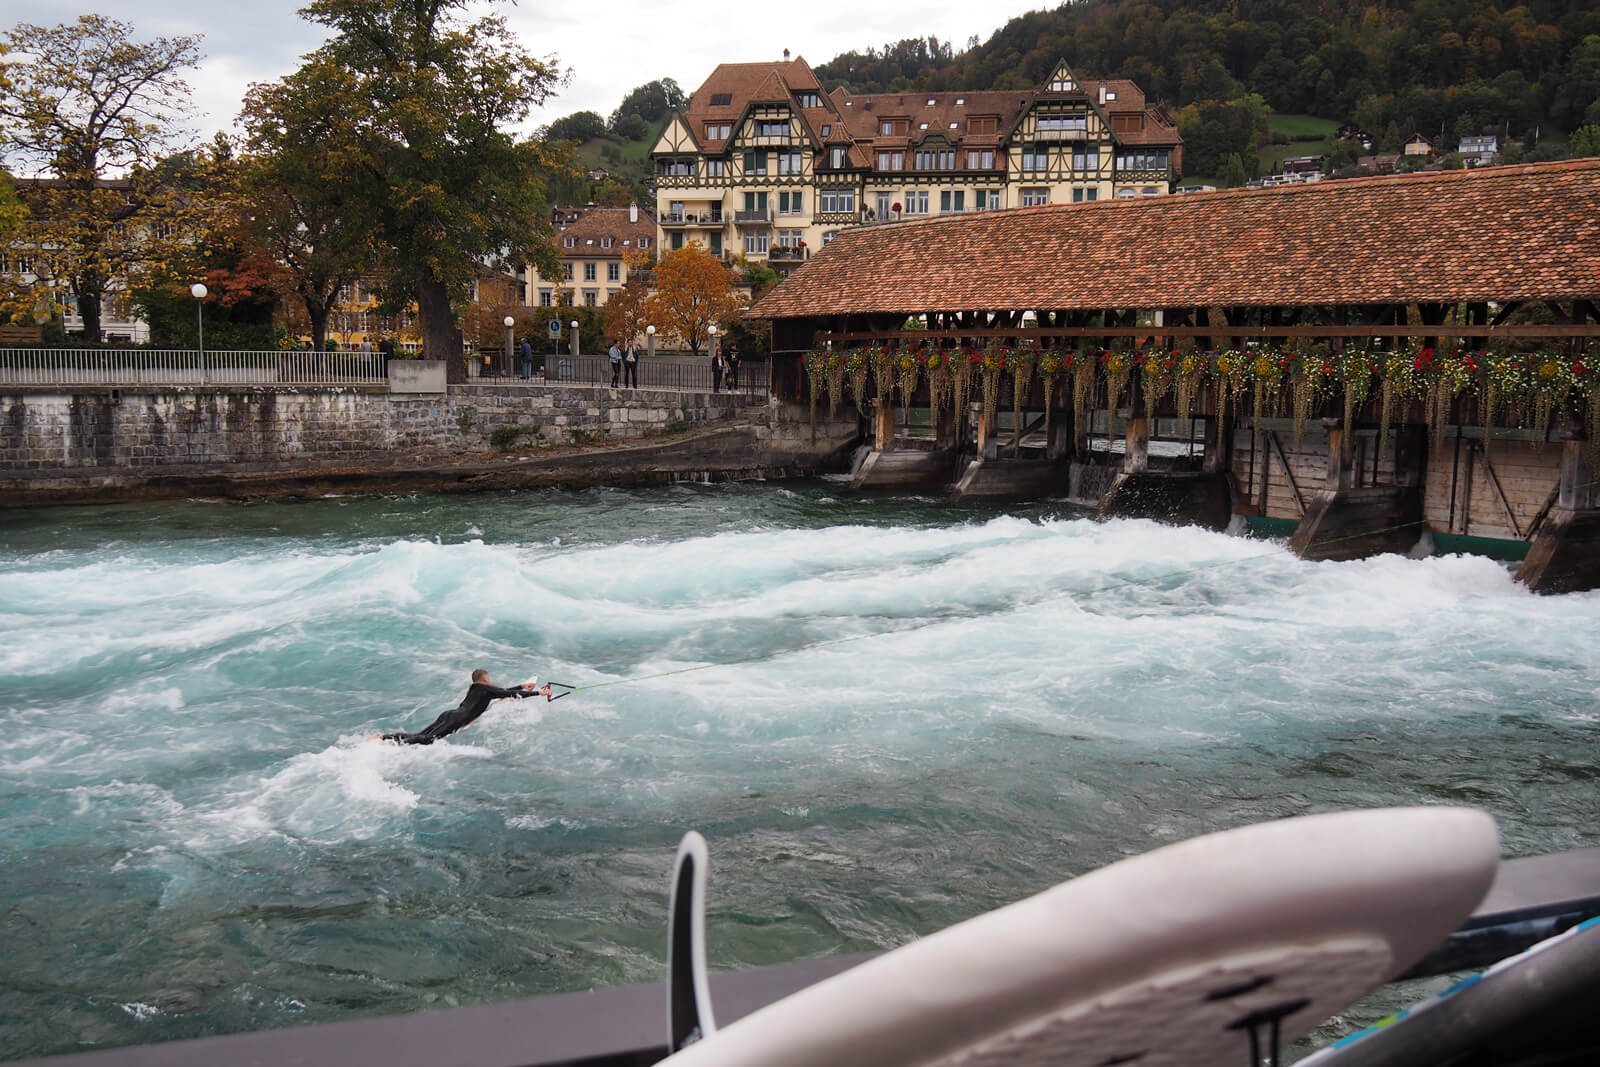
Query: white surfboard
[[1211, 951]]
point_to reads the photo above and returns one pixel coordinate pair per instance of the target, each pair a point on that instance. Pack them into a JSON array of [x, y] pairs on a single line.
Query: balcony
[[753, 218], [1060, 135], [686, 219], [786, 253]]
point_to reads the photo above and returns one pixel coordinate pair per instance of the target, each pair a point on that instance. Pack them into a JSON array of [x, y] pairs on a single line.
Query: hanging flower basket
[[857, 364], [1188, 377], [1399, 386]]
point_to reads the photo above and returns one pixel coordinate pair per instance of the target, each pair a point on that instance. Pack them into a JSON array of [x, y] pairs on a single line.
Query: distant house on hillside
[[1479, 151], [1303, 165], [1419, 146], [1382, 164]]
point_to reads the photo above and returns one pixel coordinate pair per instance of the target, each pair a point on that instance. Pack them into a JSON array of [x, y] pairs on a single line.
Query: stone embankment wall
[[52, 440]]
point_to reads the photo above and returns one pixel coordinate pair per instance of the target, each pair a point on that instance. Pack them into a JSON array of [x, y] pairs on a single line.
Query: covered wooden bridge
[[1365, 362]]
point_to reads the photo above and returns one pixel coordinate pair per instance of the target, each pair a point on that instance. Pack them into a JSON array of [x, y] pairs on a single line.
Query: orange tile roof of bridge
[[1528, 232]]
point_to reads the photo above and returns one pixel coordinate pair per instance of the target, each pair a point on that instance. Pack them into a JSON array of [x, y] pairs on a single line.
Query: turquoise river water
[[906, 715]]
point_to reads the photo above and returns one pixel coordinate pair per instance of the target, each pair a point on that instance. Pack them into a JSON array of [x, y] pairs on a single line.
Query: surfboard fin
[[689, 1017]]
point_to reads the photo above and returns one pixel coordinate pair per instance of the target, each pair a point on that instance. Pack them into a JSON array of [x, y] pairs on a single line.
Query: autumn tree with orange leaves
[[694, 292]]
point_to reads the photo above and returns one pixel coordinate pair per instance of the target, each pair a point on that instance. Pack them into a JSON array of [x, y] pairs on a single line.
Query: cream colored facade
[[765, 163], [596, 246]]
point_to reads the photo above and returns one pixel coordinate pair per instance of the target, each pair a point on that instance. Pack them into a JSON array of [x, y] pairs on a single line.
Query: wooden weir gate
[[1291, 375]]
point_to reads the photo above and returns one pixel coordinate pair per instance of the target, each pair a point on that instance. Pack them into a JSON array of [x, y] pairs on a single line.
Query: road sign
[[555, 329]]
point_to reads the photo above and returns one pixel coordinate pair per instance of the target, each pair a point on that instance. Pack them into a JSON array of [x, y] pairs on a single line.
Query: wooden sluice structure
[[1361, 366]]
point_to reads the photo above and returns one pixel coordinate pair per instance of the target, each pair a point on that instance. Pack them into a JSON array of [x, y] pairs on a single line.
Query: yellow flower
[[1549, 369]]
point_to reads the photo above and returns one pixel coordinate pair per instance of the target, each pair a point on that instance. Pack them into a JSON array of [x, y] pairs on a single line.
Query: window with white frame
[[935, 159], [828, 235], [544, 298], [569, 242], [980, 159], [986, 200], [790, 238], [591, 297], [836, 157], [916, 201], [791, 203], [755, 244], [1086, 157], [1144, 159], [808, 99], [644, 242], [718, 131], [1063, 123], [834, 201], [789, 163], [1035, 197], [891, 161], [588, 272], [566, 271], [952, 200], [1035, 157], [772, 128], [716, 168], [613, 272], [755, 162]]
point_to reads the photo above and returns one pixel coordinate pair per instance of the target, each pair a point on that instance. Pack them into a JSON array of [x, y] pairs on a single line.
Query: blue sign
[[555, 329]]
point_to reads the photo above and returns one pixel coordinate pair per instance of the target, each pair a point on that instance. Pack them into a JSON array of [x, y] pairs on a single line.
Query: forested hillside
[[1443, 68]]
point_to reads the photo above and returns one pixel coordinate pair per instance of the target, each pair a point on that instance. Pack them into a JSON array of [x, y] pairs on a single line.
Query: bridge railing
[[186, 367]]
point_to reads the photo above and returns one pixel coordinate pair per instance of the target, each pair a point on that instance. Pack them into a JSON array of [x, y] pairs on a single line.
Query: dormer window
[[809, 100], [721, 99], [827, 131], [605, 242], [569, 242], [1063, 85]]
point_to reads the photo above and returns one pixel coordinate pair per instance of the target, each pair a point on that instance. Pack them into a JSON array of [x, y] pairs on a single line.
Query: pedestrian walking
[[527, 359], [630, 368], [616, 364], [719, 367], [733, 367]]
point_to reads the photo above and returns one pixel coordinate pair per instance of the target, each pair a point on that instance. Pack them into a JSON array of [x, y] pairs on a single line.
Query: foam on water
[[886, 717]]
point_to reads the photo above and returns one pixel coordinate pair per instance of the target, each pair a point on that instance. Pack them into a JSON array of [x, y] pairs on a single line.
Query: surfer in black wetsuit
[[478, 698]]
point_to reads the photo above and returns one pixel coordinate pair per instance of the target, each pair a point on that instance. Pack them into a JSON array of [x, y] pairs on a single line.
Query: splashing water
[[886, 717]]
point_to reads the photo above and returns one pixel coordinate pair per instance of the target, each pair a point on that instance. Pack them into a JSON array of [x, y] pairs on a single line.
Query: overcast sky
[[608, 46]]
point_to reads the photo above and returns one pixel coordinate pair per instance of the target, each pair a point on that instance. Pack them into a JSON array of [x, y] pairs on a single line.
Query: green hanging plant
[[1311, 373], [1085, 368], [816, 369], [1228, 372], [994, 365], [1555, 378], [1356, 369], [1266, 386], [1155, 373], [1052, 368], [883, 377], [1020, 364], [1119, 369], [908, 370], [833, 371], [963, 364], [1188, 377], [1447, 377], [1398, 386], [940, 382], [1504, 382], [856, 367]]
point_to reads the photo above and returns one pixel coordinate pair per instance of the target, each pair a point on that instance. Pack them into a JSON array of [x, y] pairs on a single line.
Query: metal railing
[[681, 373], [144, 366]]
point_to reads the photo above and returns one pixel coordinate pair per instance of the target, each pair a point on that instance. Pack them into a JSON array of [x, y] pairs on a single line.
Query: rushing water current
[[885, 716]]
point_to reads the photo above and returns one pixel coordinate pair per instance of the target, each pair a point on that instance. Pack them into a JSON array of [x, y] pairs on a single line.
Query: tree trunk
[[89, 293], [440, 338], [317, 314]]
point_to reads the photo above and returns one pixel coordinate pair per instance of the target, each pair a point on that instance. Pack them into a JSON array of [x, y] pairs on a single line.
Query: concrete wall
[[123, 433]]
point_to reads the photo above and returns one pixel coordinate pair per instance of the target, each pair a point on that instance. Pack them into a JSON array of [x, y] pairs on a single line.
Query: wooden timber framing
[[1368, 266]]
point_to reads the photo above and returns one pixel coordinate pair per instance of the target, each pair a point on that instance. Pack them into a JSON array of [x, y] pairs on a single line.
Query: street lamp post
[[198, 291], [511, 359], [716, 375], [649, 342], [574, 325]]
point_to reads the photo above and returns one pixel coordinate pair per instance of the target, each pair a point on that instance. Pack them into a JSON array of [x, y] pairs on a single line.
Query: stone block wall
[[98, 429]]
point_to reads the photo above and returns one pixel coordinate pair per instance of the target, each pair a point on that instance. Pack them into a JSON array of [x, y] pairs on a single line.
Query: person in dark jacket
[[479, 696]]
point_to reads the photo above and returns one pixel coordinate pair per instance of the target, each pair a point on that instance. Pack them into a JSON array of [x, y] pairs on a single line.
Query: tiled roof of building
[[1527, 232], [739, 84], [598, 223]]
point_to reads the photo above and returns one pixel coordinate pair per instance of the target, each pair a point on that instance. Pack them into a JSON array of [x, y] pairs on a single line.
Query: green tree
[[297, 133], [95, 111], [1233, 173], [444, 187], [580, 126], [652, 102], [1584, 142]]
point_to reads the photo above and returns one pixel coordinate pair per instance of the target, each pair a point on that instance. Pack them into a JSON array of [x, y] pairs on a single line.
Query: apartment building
[[765, 161], [596, 246]]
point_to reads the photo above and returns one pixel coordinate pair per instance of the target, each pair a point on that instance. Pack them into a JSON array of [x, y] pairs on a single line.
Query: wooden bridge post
[[1136, 460], [883, 428], [1565, 554], [1348, 521]]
